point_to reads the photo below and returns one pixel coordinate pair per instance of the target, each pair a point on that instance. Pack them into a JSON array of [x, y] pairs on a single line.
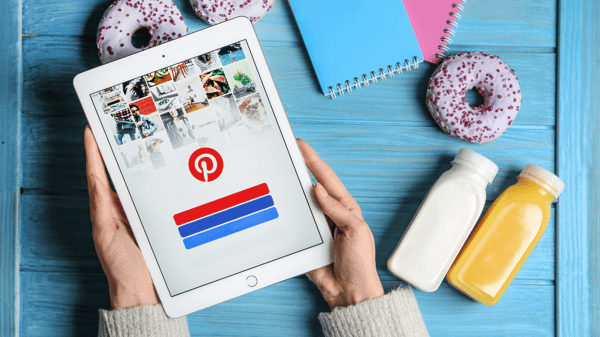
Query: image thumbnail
[[183, 70], [215, 84], [158, 77], [206, 129], [145, 106], [146, 125], [240, 78], [192, 94], [109, 100], [166, 97], [135, 89], [232, 53], [226, 112], [154, 148], [253, 111], [134, 155], [178, 128], [124, 127], [207, 61]]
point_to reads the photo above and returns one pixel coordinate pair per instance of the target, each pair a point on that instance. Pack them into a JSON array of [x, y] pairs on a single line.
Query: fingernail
[[320, 190]]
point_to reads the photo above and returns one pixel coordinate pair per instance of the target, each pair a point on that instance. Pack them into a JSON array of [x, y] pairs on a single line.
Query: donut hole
[[141, 37], [474, 98]]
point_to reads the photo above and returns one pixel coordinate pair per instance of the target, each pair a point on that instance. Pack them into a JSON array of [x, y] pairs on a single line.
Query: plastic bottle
[[505, 236], [443, 222]]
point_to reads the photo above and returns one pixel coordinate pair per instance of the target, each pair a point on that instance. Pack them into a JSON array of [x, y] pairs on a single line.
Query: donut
[[214, 12], [123, 17], [492, 78]]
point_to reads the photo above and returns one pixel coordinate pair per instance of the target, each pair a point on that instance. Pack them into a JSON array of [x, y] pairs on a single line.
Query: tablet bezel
[[173, 52]]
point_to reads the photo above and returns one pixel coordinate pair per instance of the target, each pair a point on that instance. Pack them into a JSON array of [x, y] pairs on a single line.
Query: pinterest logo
[[206, 164]]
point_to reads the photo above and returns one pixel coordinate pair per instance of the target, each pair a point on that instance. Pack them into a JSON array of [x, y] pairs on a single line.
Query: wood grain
[[56, 236], [10, 110], [399, 100], [578, 146], [66, 304], [376, 161], [484, 23]]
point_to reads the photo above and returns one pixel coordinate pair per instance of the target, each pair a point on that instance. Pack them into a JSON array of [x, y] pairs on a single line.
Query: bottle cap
[[482, 164], [545, 178]]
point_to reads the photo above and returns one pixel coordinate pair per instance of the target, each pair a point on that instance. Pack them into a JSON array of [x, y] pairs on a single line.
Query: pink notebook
[[433, 22]]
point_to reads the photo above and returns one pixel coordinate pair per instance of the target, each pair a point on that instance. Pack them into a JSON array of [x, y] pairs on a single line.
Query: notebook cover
[[348, 38], [428, 20]]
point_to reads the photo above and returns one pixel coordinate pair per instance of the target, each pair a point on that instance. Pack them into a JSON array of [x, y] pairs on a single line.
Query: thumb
[[342, 217], [100, 202]]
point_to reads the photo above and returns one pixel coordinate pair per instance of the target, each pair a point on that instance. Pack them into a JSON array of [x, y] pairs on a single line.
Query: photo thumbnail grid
[[209, 100]]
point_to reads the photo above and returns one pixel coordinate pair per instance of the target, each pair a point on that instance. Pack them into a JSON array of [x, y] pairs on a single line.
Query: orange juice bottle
[[505, 236]]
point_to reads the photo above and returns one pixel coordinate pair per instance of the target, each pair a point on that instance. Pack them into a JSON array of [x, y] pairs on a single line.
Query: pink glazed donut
[[494, 80], [216, 11], [162, 19]]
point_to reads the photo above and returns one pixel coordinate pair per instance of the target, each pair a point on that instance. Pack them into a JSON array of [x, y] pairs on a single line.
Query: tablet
[[200, 151]]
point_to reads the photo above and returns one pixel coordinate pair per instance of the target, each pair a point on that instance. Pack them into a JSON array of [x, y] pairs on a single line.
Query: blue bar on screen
[[231, 228], [225, 216]]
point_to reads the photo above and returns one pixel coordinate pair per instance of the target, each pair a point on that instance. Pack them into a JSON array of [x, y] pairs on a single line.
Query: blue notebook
[[352, 43]]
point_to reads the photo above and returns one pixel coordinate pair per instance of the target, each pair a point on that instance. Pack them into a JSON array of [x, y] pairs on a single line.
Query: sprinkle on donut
[[492, 78], [217, 11], [113, 38]]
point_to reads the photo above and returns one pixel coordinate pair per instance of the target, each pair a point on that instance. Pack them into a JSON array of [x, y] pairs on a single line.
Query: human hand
[[139, 123], [352, 278], [145, 132], [129, 281]]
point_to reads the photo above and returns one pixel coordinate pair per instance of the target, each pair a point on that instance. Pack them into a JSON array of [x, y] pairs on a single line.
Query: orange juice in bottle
[[505, 236]]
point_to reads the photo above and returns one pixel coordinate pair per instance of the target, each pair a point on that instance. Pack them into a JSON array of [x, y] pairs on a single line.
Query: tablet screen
[[206, 166]]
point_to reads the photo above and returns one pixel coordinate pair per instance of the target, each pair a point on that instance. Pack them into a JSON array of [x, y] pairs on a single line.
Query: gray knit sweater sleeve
[[146, 321], [393, 315]]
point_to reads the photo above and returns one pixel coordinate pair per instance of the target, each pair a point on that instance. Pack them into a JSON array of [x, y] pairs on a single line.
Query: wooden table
[[381, 140]]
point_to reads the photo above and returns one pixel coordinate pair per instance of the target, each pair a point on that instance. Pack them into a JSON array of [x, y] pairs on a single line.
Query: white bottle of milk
[[443, 222]]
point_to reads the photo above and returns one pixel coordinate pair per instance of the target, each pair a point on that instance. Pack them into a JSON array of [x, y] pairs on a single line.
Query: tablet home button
[[252, 281]]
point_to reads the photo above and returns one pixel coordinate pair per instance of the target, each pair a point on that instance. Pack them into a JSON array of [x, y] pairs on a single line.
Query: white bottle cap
[[544, 178], [482, 164]]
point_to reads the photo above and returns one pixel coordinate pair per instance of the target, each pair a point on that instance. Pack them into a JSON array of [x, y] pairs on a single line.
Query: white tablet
[[202, 155]]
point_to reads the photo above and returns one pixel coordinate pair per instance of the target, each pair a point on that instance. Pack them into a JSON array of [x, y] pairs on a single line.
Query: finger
[[323, 277], [326, 176], [330, 223], [342, 216], [100, 203], [94, 163], [98, 187]]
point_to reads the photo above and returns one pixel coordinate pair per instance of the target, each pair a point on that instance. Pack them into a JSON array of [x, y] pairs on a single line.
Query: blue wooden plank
[[65, 304], [578, 145], [375, 161], [10, 111], [46, 248], [530, 24], [399, 100]]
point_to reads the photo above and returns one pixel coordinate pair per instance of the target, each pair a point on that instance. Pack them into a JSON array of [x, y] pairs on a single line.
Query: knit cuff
[[147, 321], [392, 315]]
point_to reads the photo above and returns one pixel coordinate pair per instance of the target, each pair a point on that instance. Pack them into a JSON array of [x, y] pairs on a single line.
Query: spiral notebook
[[434, 22], [352, 43]]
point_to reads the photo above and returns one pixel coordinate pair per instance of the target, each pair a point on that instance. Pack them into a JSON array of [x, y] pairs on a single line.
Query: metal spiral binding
[[364, 79], [450, 30]]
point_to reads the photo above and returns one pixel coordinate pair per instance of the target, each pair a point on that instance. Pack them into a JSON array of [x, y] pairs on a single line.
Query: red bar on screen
[[221, 204]]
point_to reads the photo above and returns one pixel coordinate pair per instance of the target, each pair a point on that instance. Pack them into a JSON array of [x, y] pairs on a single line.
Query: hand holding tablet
[[352, 278], [354, 246], [129, 281]]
